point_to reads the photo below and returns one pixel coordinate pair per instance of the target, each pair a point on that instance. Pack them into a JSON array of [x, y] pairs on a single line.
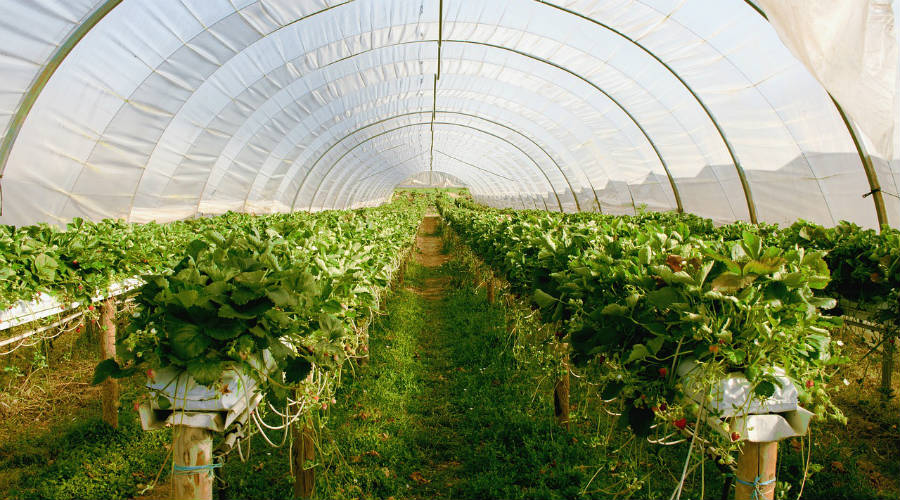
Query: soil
[[430, 253]]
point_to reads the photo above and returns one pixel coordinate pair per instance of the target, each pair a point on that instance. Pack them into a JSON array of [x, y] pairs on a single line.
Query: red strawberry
[[136, 406], [663, 371], [74, 262], [714, 349], [810, 384], [655, 409], [681, 423], [90, 308], [735, 436]]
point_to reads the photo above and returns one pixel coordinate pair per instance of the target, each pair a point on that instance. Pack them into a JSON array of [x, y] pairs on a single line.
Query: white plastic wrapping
[[851, 48], [730, 406], [194, 405], [45, 305], [174, 108], [733, 395]]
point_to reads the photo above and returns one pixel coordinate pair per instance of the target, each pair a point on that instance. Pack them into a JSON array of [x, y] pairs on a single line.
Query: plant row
[[273, 296], [638, 296], [864, 263], [85, 258]]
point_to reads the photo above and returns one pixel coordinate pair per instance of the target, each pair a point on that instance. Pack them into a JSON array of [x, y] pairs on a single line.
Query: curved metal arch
[[110, 4], [532, 196], [327, 172], [664, 164], [82, 29], [644, 133], [91, 23], [26, 103], [586, 178], [387, 184], [350, 178], [499, 124], [519, 193], [478, 181], [381, 121], [37, 85], [339, 141], [370, 167], [864, 157], [348, 196], [512, 129], [562, 172], [521, 198], [553, 159], [476, 167], [356, 182], [745, 184]]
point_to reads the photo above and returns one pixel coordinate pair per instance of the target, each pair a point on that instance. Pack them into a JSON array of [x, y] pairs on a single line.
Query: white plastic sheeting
[[174, 108], [851, 48]]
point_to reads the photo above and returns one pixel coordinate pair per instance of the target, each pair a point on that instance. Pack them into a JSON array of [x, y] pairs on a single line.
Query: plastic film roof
[[176, 108]]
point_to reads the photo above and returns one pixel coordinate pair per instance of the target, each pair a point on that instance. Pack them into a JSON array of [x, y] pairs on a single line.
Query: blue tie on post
[[755, 484], [196, 469]]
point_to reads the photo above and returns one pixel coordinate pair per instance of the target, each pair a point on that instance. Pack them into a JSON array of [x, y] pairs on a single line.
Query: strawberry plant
[[641, 294], [276, 296]]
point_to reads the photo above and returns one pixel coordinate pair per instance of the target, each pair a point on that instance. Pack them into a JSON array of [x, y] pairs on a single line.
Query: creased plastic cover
[[851, 48], [178, 108]]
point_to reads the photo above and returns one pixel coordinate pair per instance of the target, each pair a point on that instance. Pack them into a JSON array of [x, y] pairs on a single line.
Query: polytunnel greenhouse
[[449, 249]]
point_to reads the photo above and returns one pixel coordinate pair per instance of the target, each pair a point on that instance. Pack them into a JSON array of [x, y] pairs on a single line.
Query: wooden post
[[561, 391], [110, 388], [192, 448], [887, 366], [755, 475], [303, 450], [887, 355], [490, 289]]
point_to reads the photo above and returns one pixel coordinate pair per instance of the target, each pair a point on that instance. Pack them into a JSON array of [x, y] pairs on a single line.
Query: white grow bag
[[195, 405], [757, 420], [44, 305]]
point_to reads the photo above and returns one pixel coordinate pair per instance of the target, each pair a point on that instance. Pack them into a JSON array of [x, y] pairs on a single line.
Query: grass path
[[440, 411]]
